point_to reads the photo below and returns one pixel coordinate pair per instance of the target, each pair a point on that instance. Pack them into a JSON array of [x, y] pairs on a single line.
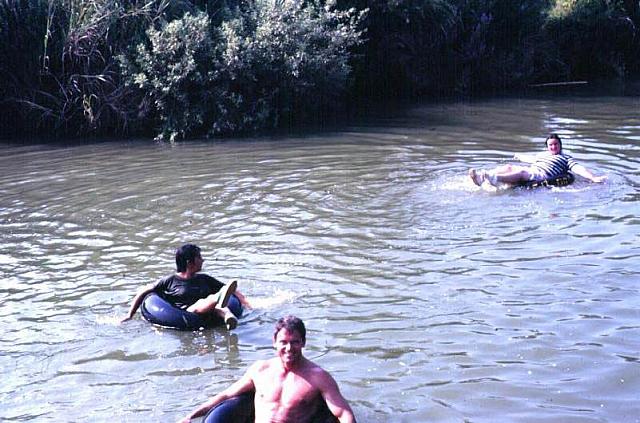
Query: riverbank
[[118, 69]]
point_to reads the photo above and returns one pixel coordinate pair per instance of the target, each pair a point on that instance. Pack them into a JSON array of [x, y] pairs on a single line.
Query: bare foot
[[476, 177], [230, 321]]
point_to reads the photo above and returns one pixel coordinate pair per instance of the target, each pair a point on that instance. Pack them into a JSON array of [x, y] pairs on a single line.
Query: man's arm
[[243, 299], [137, 300], [245, 384], [585, 173], [338, 406]]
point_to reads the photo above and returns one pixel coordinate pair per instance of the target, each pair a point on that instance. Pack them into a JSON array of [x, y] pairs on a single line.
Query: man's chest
[[291, 390], [189, 289]]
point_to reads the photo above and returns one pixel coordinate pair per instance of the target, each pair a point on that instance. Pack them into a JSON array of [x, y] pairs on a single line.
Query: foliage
[[595, 38], [23, 24], [496, 44], [218, 67], [57, 63], [404, 41], [417, 47], [173, 72], [424, 47], [283, 63], [275, 63]]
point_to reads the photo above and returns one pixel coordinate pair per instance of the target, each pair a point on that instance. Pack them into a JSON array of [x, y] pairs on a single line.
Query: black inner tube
[[558, 181], [240, 409]]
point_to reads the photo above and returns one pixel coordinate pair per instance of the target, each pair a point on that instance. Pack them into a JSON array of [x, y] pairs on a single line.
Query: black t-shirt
[[185, 292]]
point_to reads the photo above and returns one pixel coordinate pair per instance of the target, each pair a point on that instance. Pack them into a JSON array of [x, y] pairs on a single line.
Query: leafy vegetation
[[595, 38], [219, 67], [57, 70], [271, 64]]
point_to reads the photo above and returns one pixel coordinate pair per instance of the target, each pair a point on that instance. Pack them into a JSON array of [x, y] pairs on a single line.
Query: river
[[427, 298]]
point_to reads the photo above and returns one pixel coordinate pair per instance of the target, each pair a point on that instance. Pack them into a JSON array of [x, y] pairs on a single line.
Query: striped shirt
[[552, 165]]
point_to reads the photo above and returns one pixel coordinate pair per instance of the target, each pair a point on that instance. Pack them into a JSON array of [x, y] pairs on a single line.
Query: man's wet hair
[[185, 254], [290, 323]]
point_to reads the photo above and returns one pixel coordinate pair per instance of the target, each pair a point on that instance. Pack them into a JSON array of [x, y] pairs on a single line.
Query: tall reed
[[57, 63]]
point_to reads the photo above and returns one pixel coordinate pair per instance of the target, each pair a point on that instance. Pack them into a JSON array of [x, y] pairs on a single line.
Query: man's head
[[290, 323], [188, 253], [553, 144], [289, 337]]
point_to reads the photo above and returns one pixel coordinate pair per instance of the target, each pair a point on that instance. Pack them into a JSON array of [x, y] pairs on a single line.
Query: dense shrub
[[420, 47], [175, 73], [496, 44], [217, 67], [23, 24], [58, 74], [402, 54], [282, 63], [424, 47], [594, 38], [273, 64]]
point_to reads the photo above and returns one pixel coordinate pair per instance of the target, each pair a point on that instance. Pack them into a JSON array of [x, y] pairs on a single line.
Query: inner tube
[[240, 409], [233, 410], [558, 181], [159, 311]]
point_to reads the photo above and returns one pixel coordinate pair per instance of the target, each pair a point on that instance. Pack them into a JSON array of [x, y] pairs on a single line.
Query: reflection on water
[[427, 298]]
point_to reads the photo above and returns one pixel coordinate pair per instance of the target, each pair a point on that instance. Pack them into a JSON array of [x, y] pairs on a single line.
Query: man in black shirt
[[192, 291]]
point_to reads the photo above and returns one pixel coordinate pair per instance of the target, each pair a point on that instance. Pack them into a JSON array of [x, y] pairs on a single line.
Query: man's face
[[288, 346], [196, 265], [553, 145]]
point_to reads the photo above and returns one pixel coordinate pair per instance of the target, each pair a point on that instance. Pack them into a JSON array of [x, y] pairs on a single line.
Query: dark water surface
[[428, 299]]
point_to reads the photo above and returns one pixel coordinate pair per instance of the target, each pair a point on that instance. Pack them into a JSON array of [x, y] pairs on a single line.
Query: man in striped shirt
[[546, 165]]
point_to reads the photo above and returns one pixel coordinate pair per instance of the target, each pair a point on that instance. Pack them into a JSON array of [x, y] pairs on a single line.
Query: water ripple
[[427, 298]]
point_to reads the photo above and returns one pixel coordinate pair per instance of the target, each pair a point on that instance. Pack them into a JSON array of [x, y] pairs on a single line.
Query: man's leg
[[230, 319], [477, 176], [214, 301], [519, 175], [226, 292]]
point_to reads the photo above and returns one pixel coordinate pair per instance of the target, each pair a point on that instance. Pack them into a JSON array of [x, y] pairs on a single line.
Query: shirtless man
[[288, 388]]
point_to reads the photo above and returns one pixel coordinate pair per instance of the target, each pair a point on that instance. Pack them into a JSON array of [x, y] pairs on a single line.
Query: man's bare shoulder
[[261, 366], [318, 375]]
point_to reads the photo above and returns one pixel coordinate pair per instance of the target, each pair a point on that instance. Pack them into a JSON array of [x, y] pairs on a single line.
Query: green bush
[[402, 55], [594, 38], [58, 74], [418, 48], [173, 71], [23, 24], [421, 47], [274, 64], [495, 44], [220, 67], [283, 64]]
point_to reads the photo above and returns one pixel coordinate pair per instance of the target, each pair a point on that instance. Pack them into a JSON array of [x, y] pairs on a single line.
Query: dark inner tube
[[240, 410], [159, 311], [558, 181], [234, 410]]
